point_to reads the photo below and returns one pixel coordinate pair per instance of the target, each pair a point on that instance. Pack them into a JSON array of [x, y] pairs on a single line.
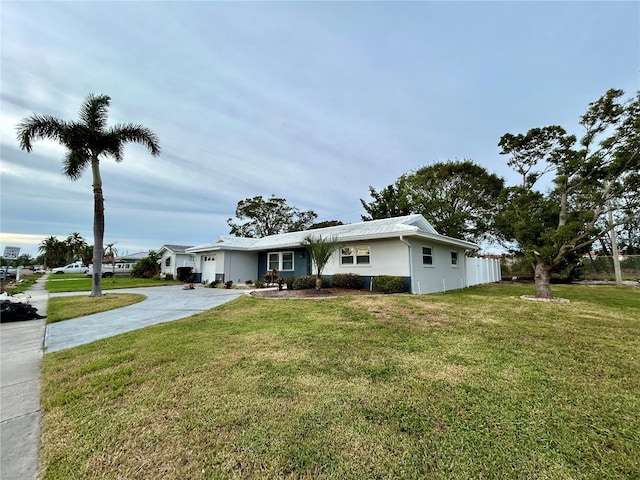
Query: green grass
[[75, 282], [65, 308], [26, 282], [467, 384]]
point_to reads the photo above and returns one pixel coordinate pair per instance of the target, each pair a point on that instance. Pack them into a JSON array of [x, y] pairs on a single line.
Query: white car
[[106, 272], [71, 268]]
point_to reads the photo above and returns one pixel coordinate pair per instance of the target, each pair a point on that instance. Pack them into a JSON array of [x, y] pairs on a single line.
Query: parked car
[[105, 273], [108, 270], [71, 268], [7, 273]]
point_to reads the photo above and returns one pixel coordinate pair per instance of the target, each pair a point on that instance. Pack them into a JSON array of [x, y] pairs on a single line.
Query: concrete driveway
[[163, 304]]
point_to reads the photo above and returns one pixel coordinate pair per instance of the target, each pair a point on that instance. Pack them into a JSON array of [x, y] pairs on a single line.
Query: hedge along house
[[408, 247]]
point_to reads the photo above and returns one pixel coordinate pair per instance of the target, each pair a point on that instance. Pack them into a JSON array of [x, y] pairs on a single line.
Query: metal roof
[[175, 248], [410, 225]]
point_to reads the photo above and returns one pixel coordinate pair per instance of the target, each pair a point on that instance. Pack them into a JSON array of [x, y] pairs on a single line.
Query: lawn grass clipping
[[65, 308], [467, 384]]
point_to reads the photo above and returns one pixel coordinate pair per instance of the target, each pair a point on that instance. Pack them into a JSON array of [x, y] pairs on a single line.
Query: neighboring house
[[122, 265], [174, 256], [407, 246]]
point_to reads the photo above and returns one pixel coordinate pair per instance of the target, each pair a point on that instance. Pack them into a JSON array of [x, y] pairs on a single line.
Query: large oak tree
[[269, 216], [592, 176], [458, 198]]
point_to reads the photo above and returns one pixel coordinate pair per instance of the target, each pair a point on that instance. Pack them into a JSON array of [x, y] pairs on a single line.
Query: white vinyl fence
[[482, 270]]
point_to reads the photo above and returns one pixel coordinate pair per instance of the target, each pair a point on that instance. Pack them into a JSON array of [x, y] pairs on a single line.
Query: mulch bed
[[311, 293]]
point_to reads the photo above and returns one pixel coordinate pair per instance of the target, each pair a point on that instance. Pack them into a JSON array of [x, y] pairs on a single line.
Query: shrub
[[185, 274], [346, 280], [228, 284], [304, 283], [145, 268], [389, 284], [260, 283], [290, 281]]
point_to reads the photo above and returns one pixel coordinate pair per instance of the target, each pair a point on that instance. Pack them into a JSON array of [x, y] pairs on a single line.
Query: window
[[167, 262], [427, 256], [287, 261], [273, 261], [283, 261], [454, 259], [346, 256], [355, 255]]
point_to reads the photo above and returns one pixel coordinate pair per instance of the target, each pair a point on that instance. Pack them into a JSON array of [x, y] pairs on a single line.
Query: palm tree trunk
[[98, 229]]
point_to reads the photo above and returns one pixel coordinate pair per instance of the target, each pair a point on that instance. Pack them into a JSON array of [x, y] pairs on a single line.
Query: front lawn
[[464, 385], [65, 308], [75, 282]]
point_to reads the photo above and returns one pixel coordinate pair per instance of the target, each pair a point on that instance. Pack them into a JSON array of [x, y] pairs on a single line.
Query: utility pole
[[614, 250]]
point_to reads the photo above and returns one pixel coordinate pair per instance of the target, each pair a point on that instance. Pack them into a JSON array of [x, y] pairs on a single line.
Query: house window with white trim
[[167, 262], [427, 256], [287, 261], [360, 255], [454, 259], [283, 261]]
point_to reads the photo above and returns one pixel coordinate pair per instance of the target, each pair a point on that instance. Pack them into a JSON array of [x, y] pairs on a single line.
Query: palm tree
[[50, 247], [320, 250], [87, 141], [110, 252], [74, 243]]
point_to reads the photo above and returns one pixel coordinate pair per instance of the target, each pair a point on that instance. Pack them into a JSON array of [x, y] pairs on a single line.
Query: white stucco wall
[[240, 266], [388, 257], [441, 275], [177, 260], [234, 265], [392, 257]]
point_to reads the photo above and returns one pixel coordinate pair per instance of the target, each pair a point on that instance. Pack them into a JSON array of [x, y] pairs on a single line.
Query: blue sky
[[310, 101]]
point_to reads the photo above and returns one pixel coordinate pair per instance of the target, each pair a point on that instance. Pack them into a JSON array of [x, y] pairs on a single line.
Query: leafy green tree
[[320, 250], [87, 142], [147, 267], [392, 201], [269, 217], [458, 198], [326, 223], [24, 260], [596, 174], [86, 254]]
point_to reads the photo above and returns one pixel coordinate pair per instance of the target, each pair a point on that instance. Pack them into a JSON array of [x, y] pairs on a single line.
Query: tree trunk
[[98, 230], [318, 282], [542, 281]]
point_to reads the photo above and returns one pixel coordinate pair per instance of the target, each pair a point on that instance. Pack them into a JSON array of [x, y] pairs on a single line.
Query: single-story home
[[123, 264], [406, 246], [174, 256]]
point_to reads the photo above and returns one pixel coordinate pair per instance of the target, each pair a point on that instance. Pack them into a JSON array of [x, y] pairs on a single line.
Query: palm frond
[[130, 132], [74, 164], [40, 127], [94, 112]]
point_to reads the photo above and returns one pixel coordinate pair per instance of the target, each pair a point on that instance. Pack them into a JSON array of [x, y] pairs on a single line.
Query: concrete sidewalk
[[21, 345]]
